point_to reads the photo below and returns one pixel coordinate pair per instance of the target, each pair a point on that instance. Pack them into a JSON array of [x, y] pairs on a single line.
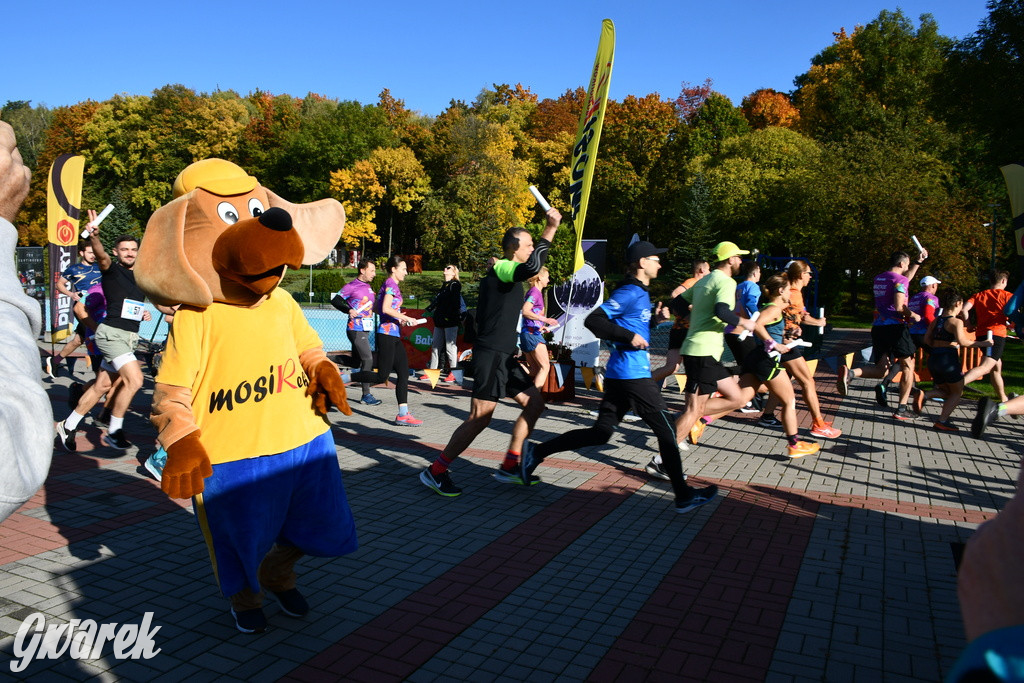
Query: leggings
[[643, 396], [390, 358], [361, 350]]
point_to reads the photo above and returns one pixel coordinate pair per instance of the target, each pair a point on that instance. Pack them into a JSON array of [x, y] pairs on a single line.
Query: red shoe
[[946, 426], [826, 431], [408, 420], [450, 378]]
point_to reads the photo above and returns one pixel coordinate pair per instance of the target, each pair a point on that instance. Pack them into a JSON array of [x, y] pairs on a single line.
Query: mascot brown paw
[[187, 466], [326, 387]]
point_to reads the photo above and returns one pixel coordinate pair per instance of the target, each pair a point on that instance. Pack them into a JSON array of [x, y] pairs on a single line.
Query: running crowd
[[762, 325]]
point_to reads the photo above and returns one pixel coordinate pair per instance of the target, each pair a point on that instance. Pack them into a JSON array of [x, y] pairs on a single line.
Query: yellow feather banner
[[588, 376], [588, 134], [432, 375]]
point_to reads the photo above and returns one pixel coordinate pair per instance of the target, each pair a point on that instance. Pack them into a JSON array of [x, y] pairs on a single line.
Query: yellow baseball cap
[[726, 250], [214, 175]]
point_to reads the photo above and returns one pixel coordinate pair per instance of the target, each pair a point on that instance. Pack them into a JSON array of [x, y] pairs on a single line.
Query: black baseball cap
[[639, 250]]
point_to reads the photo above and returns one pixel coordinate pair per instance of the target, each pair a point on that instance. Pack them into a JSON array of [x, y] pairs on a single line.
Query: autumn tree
[[405, 184], [480, 188], [360, 192], [767, 107], [29, 124], [876, 80], [64, 135]]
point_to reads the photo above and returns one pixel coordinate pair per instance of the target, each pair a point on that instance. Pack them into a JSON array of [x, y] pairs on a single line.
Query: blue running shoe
[[370, 400]]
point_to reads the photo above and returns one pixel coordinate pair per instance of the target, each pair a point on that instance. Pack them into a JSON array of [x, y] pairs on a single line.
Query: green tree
[[29, 124], [877, 80], [404, 181]]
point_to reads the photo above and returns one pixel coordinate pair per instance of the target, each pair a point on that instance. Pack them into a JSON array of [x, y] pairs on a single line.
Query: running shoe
[[683, 446], [656, 470], [945, 426], [250, 620], [843, 381], [52, 369], [880, 397], [527, 463], [695, 432], [292, 603], [117, 440], [370, 400], [988, 412], [155, 464], [802, 448], [67, 438], [424, 378], [750, 408], [408, 420], [699, 497], [630, 416], [506, 477], [75, 392], [918, 401], [450, 379], [825, 430], [442, 483], [902, 413], [769, 421], [1012, 396]]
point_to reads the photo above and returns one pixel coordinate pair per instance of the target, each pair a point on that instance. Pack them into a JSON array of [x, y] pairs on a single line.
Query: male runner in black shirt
[[496, 372]]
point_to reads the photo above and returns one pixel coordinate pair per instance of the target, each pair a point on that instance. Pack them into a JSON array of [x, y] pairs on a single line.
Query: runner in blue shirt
[[74, 282], [625, 320]]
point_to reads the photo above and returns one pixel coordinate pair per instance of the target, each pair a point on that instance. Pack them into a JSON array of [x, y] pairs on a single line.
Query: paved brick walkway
[[836, 567]]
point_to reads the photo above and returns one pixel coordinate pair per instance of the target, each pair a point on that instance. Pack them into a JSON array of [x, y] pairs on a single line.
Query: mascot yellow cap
[[214, 175]]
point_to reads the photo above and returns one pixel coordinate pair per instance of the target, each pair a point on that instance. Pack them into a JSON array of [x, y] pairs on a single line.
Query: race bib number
[[132, 310], [367, 324]]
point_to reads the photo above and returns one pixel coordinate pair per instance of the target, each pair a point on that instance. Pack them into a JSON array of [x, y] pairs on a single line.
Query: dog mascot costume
[[244, 388]]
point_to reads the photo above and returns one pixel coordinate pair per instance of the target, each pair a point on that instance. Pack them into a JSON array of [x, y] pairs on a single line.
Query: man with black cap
[[713, 300], [625, 320]]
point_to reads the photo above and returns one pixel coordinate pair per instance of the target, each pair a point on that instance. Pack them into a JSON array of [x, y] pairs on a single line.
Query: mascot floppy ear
[[319, 223], [162, 270]]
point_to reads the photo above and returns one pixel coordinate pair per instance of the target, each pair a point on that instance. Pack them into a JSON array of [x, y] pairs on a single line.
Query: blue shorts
[[528, 340], [295, 498]]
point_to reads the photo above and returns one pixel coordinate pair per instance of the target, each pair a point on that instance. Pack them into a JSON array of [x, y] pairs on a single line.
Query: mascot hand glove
[[327, 387], [187, 466]]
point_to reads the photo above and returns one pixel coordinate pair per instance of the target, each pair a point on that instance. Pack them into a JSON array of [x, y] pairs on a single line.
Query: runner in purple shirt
[[890, 338], [356, 298]]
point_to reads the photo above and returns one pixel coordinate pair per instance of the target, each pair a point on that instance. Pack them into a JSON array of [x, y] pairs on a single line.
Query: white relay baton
[[746, 333], [917, 243], [540, 198], [821, 315], [99, 219]]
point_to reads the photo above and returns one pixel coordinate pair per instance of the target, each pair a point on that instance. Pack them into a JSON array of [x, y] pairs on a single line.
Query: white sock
[[115, 424], [71, 423]]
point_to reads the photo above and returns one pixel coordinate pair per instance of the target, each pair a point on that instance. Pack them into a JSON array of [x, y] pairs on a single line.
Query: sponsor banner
[[61, 317], [588, 134], [1014, 176], [64, 199]]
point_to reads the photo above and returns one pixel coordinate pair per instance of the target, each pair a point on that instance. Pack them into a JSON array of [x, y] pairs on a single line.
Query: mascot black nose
[[276, 218]]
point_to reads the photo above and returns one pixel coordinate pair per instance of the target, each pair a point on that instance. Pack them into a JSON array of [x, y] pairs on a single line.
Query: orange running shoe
[[826, 431], [695, 431], [803, 448]]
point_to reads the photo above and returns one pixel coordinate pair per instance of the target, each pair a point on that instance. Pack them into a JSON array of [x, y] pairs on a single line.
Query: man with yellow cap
[[713, 299]]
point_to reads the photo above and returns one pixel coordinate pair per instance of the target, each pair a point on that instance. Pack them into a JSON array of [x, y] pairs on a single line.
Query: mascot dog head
[[226, 238]]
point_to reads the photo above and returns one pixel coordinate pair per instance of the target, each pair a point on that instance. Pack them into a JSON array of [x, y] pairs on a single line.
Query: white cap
[[929, 280]]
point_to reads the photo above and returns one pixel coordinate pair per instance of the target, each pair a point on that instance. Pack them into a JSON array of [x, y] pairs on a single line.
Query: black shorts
[[497, 375], [642, 396], [944, 365], [918, 340], [995, 352], [793, 354], [676, 337], [762, 366], [740, 348], [703, 374], [891, 341]]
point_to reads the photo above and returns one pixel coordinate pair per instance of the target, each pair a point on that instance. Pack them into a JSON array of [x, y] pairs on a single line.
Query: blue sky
[[427, 53]]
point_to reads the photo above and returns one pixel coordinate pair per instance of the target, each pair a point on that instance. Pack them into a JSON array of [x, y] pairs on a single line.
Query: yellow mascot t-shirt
[[242, 366]]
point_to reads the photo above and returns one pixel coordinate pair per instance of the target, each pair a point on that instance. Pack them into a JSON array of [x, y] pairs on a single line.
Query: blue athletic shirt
[[82, 276], [629, 307]]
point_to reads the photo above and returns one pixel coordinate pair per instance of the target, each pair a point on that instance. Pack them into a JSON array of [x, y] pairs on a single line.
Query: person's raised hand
[[14, 175]]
